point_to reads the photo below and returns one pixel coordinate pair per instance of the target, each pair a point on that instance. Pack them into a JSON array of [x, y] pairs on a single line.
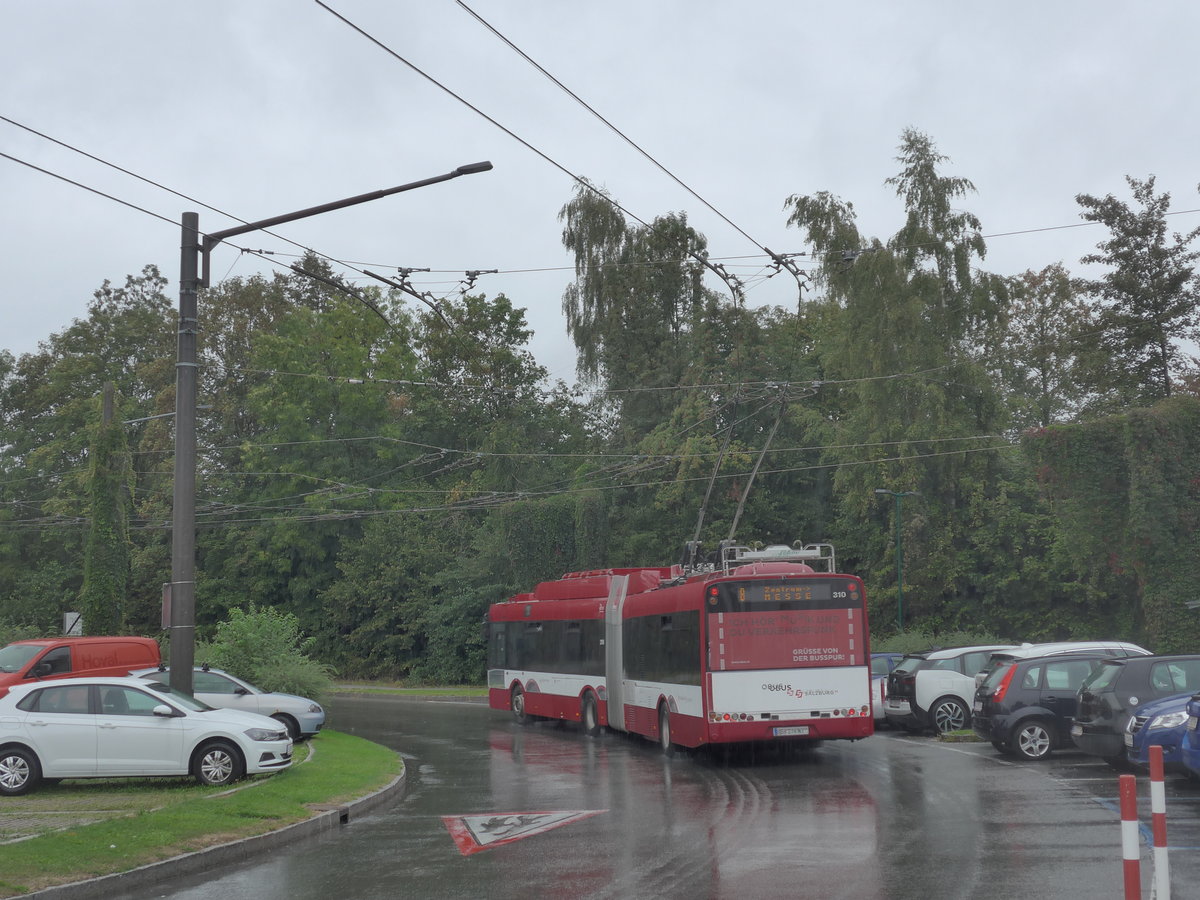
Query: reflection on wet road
[[888, 817]]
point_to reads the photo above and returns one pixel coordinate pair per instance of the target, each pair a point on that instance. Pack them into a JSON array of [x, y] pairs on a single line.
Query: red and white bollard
[[1130, 840], [1158, 817]]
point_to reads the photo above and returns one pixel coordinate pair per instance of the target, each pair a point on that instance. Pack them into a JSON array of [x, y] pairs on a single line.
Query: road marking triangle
[[473, 834]]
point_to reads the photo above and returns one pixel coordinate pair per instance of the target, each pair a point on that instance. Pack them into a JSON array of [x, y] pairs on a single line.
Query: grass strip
[[399, 690], [152, 819]]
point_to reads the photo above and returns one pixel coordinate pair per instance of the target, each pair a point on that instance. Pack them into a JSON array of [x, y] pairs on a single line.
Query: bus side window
[[499, 656]]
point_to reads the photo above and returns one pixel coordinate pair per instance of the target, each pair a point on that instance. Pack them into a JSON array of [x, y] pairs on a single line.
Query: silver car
[[302, 717]]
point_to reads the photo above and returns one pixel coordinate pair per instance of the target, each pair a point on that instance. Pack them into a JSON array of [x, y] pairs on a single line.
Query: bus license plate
[[790, 731]]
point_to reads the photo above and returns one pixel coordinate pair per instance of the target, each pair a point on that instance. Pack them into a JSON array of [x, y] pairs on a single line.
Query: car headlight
[[314, 708], [1169, 720], [265, 734]]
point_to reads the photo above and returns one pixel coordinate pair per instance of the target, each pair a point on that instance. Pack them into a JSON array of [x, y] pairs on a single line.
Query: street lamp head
[[472, 168]]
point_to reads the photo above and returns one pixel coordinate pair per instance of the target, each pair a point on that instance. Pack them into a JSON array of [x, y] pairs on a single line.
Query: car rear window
[[996, 675], [908, 665]]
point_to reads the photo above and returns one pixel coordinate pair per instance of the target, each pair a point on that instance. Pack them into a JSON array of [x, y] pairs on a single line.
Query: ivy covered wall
[[1126, 494]]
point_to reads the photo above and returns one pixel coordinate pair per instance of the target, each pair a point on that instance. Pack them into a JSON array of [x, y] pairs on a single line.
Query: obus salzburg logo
[[778, 687]]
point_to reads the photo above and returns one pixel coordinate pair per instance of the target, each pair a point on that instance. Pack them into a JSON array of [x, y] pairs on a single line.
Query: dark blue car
[[1162, 722], [1189, 752]]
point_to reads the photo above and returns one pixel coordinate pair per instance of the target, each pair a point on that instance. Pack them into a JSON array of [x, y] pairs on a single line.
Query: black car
[[897, 702], [1025, 706], [1108, 697]]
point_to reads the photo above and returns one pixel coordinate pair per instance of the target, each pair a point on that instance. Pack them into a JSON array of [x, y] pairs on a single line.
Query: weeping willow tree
[[636, 302]]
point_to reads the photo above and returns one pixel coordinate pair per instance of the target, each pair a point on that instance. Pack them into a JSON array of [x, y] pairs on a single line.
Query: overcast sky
[[262, 107]]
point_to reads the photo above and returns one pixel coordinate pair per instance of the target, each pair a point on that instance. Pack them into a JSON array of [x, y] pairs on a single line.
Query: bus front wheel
[[518, 705]]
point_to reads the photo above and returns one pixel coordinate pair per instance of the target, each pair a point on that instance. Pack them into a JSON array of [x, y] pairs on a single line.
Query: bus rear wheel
[[518, 705], [589, 716], [664, 729]]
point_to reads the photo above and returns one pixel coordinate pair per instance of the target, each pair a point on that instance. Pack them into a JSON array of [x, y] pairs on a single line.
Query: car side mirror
[[42, 669], [165, 711], [241, 691]]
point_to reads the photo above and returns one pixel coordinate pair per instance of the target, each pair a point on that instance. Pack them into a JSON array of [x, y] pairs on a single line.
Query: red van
[[66, 657]]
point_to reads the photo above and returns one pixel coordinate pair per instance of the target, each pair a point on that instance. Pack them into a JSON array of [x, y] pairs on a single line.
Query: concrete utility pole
[[899, 495], [182, 592], [193, 274]]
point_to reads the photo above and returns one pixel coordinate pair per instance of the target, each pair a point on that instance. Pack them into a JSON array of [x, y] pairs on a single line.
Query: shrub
[[10, 631], [267, 648]]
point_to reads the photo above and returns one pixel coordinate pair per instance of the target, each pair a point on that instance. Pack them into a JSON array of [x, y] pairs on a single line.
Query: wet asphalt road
[[890, 817]]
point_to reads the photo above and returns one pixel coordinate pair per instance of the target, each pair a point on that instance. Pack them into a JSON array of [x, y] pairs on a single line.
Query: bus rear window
[[784, 624]]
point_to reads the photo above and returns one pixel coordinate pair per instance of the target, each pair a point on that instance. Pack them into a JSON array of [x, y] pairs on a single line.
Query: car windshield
[[1103, 677], [14, 657], [187, 701]]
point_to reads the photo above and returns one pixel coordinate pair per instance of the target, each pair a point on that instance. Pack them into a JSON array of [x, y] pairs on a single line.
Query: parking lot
[[1098, 783]]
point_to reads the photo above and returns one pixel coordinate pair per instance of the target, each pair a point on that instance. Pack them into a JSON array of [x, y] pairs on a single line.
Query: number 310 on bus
[[759, 645]]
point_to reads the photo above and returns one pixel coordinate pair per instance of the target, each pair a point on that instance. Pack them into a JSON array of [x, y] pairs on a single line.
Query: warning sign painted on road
[[475, 833]]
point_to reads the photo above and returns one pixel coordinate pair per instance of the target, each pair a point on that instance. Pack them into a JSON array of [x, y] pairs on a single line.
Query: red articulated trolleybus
[[761, 645]]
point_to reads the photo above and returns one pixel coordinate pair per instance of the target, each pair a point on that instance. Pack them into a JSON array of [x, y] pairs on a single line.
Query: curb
[[232, 853]]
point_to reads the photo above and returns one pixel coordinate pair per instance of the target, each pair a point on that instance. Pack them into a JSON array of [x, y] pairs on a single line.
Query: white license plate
[[790, 731], [1191, 723], [1128, 739], [1076, 730], [978, 707]]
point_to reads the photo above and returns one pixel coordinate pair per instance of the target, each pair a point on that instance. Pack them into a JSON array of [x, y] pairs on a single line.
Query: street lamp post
[[899, 495], [193, 274]]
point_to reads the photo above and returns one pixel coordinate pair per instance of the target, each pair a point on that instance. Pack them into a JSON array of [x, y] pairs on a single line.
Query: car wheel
[[217, 763], [19, 772], [949, 714], [518, 705], [293, 729], [1034, 739], [664, 729], [589, 716]]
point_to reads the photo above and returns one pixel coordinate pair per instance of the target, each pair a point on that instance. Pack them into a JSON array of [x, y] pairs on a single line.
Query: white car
[[939, 689], [120, 726], [302, 717]]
